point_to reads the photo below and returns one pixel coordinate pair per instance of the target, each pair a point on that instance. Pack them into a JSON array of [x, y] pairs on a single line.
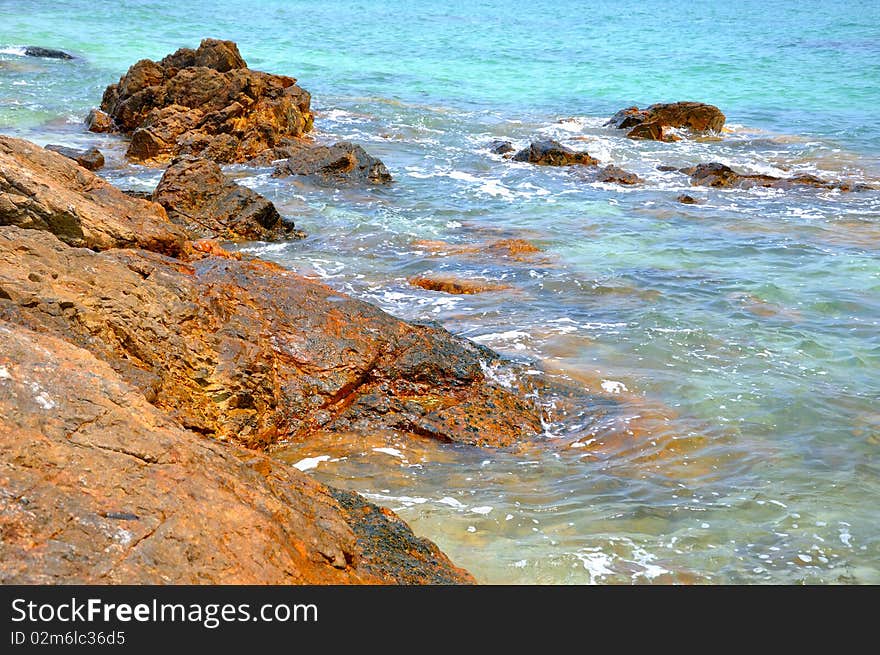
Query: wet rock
[[90, 159], [44, 190], [454, 285], [207, 204], [247, 351], [46, 53], [205, 102], [721, 176], [342, 162], [99, 121], [654, 121], [499, 147], [685, 199], [553, 153], [667, 169], [617, 175], [100, 487]]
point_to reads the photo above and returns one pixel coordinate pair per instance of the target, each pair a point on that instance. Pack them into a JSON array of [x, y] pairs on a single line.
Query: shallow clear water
[[737, 340]]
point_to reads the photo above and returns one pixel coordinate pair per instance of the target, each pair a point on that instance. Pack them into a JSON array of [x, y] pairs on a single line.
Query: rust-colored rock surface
[[44, 190], [652, 122], [90, 159], [341, 162], [205, 102], [454, 285], [553, 153], [99, 487], [249, 352], [207, 204], [722, 176], [99, 121], [616, 175]]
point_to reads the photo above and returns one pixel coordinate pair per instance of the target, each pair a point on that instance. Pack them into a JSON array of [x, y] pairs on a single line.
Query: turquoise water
[[737, 340]]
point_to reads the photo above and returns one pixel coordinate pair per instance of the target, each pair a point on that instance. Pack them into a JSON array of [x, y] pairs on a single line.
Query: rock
[[99, 121], [722, 176], [44, 190], [617, 175], [341, 162], [207, 204], [499, 147], [667, 169], [47, 53], [685, 199], [99, 487], [652, 123], [454, 285], [90, 159], [553, 153], [205, 102], [246, 351]]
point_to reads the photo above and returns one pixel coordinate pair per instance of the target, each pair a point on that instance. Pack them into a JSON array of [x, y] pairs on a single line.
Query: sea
[[730, 349]]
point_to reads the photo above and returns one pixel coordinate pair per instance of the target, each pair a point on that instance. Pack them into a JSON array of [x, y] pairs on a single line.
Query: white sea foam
[[613, 386], [13, 50], [394, 452], [4, 374], [310, 462], [483, 509]]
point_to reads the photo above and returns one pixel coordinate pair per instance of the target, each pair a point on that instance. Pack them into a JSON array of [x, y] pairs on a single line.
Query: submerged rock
[[91, 159], [616, 175], [249, 352], [499, 147], [721, 176], [454, 285], [205, 102], [99, 487], [341, 162], [46, 53], [44, 190], [553, 153], [685, 199], [654, 121], [207, 204]]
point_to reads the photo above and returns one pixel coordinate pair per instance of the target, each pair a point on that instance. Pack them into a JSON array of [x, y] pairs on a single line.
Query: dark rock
[[99, 121], [499, 147], [99, 487], [553, 153], [205, 102], [341, 162], [617, 175], [47, 53], [44, 190], [722, 176], [207, 204], [685, 199], [668, 169], [90, 159], [140, 195], [652, 123], [246, 351]]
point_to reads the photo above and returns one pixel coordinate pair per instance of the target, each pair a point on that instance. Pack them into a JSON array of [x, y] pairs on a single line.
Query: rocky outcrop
[[722, 176], [249, 352], [99, 121], [553, 153], [342, 162], [654, 122], [44, 190], [46, 53], [454, 285], [205, 102], [90, 159], [99, 487], [207, 204]]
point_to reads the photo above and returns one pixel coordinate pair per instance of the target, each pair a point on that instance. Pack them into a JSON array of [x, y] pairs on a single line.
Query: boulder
[[205, 102], [553, 153], [499, 147], [99, 487], [44, 190], [207, 204], [342, 162], [99, 121], [654, 121], [616, 175], [246, 351], [90, 159], [686, 199], [721, 176], [46, 53]]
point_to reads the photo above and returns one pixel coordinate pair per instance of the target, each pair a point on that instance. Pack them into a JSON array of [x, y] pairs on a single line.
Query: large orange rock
[[44, 190], [249, 352], [205, 102], [99, 487], [652, 122]]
